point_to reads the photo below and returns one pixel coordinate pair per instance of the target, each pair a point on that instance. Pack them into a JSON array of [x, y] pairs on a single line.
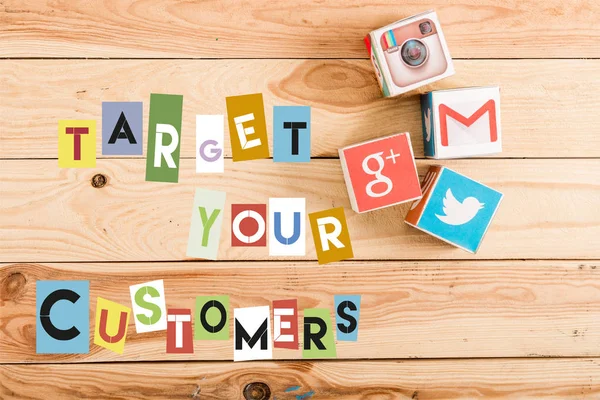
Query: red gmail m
[[446, 112]]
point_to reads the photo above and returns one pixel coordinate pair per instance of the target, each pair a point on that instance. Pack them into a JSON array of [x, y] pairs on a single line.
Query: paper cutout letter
[[76, 143], [347, 314], [209, 143], [164, 134], [291, 134], [330, 233], [111, 325], [149, 307], [252, 334], [122, 130], [247, 127], [63, 323], [318, 334], [205, 229], [248, 225], [285, 324], [212, 318], [287, 227], [179, 331]]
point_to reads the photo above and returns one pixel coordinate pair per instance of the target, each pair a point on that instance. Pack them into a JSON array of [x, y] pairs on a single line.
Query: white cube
[[461, 122], [409, 53]]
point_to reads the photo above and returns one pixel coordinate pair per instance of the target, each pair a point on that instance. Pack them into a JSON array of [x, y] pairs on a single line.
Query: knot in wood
[[257, 391], [13, 286], [99, 181]]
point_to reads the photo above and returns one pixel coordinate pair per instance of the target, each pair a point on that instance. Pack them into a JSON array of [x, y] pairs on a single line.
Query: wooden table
[[521, 319]]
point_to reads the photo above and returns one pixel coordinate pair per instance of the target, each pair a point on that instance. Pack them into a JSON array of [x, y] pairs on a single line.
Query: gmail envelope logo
[[462, 122]]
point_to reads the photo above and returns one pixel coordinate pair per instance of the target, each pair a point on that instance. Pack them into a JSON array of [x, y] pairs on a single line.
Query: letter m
[[241, 334]]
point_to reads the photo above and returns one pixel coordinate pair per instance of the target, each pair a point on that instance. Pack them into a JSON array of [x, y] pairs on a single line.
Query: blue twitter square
[[63, 317], [291, 133], [459, 210]]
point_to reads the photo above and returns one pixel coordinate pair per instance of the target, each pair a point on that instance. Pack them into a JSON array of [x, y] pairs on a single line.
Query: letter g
[[216, 152]]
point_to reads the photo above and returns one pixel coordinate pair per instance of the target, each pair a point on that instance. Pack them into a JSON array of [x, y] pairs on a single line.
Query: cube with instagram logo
[[409, 53], [380, 173], [461, 122]]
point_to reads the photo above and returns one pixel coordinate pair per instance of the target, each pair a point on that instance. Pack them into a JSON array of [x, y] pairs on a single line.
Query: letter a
[[122, 131]]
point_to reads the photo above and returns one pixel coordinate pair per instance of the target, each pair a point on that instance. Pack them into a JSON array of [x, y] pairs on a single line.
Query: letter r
[[331, 236], [165, 151]]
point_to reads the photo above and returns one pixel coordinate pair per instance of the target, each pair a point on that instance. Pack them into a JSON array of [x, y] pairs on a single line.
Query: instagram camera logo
[[414, 52], [380, 173]]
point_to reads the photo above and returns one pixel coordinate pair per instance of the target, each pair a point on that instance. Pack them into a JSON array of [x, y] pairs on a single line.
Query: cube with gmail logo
[[461, 122], [409, 53], [380, 173], [454, 208]]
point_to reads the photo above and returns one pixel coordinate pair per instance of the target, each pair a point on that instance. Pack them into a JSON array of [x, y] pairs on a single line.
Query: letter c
[[49, 327]]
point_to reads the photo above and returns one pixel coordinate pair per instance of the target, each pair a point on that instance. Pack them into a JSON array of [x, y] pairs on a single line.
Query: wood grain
[[548, 106], [429, 309], [290, 29], [550, 210], [415, 380]]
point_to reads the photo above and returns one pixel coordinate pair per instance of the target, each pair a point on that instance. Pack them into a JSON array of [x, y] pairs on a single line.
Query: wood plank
[[429, 309], [290, 29], [439, 379], [550, 210], [544, 113]]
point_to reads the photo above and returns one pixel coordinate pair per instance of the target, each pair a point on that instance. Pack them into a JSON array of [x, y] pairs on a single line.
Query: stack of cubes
[[457, 123]]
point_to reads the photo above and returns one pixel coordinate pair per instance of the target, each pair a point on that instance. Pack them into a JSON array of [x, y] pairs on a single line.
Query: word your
[[63, 322], [286, 228]]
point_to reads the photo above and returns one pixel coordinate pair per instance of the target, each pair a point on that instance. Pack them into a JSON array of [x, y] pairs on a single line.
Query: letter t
[[294, 126], [77, 140]]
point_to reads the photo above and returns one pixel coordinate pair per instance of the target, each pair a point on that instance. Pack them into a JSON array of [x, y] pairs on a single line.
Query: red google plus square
[[380, 173]]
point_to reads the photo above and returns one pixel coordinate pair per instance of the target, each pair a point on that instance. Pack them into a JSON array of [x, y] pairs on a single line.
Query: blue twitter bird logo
[[457, 213]]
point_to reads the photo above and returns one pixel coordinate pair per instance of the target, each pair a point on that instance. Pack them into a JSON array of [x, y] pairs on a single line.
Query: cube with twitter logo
[[454, 208], [462, 122]]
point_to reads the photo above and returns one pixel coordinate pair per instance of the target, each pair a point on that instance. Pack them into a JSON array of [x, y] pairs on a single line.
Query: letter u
[[122, 327], [277, 225]]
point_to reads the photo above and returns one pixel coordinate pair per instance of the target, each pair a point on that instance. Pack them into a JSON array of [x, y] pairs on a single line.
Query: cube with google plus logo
[[380, 173]]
